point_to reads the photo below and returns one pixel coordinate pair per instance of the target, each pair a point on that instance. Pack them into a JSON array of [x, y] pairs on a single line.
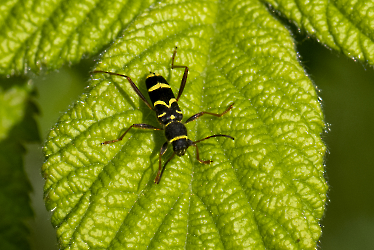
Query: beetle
[[169, 115]]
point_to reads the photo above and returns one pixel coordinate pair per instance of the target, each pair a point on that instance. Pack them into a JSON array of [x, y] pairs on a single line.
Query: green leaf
[[13, 99], [265, 190], [14, 197], [52, 33], [17, 125], [344, 25]]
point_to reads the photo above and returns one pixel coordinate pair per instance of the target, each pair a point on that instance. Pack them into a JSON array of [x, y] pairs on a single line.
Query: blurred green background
[[347, 92]]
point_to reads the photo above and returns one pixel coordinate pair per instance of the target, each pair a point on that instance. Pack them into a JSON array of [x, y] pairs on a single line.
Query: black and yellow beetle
[[168, 114]]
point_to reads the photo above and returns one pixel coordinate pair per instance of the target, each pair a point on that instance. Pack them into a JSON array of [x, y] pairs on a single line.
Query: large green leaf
[[265, 190]]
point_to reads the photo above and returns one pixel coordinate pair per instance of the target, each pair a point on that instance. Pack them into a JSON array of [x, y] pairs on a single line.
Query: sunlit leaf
[[265, 190]]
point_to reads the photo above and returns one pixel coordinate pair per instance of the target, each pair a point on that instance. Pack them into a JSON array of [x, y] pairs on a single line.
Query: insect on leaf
[[264, 190]]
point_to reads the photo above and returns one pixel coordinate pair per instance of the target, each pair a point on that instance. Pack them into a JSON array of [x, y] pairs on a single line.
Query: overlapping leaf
[[343, 25], [51, 33], [264, 190], [54, 32]]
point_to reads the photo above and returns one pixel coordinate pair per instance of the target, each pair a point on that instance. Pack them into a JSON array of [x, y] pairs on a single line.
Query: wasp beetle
[[169, 115]]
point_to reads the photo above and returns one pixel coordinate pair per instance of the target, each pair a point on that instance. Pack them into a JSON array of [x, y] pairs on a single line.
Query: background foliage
[[354, 197]]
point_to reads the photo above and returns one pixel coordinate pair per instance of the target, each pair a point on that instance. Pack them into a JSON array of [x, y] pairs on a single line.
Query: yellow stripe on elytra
[[178, 137], [152, 75], [158, 85], [161, 115], [164, 103]]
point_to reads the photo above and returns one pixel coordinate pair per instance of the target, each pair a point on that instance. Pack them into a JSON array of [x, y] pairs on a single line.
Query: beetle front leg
[[161, 169]]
